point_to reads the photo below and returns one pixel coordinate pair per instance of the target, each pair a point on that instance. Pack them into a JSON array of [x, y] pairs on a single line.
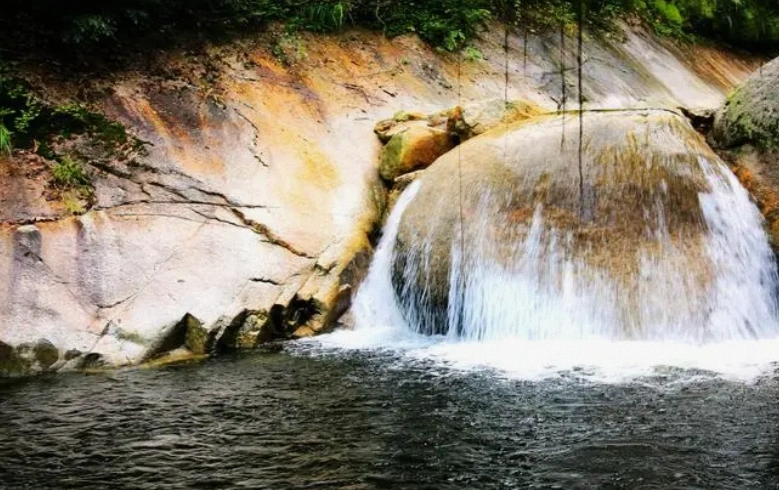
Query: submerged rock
[[529, 224]]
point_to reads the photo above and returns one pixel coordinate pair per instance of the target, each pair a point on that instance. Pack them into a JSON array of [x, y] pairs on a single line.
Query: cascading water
[[693, 285], [549, 295]]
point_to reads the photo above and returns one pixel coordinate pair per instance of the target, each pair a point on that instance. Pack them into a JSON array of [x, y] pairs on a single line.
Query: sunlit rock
[[640, 232], [413, 148]]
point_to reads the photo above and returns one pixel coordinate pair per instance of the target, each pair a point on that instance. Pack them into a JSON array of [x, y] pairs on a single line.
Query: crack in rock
[[265, 280], [271, 237]]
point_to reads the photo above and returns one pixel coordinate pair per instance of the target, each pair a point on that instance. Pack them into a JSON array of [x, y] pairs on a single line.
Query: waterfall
[[548, 292], [376, 303], [662, 266]]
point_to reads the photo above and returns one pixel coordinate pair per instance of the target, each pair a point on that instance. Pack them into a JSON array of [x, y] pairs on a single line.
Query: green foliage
[[74, 202], [90, 28], [447, 24], [6, 143], [472, 54], [28, 122], [69, 174], [19, 110], [26, 119], [325, 16], [75, 28], [747, 23], [669, 12]]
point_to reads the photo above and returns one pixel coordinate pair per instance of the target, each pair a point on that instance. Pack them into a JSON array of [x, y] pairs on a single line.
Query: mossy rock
[[196, 336], [405, 116], [188, 333], [751, 113], [479, 117], [11, 363], [255, 330], [412, 149], [45, 354]]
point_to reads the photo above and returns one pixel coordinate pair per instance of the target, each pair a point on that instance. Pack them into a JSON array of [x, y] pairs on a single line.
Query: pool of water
[[313, 417]]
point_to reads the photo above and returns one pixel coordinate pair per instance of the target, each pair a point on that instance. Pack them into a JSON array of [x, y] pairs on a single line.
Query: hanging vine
[[579, 62]]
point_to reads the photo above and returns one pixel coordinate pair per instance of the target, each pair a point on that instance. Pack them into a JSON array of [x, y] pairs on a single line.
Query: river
[[315, 416]]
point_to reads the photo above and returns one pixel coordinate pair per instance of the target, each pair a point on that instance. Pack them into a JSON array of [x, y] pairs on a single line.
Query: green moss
[[750, 121], [196, 335], [128, 336], [45, 353], [391, 156], [11, 363], [253, 331]]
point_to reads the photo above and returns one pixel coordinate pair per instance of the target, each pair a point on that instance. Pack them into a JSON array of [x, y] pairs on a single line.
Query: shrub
[[74, 28], [69, 174], [669, 12], [6, 143]]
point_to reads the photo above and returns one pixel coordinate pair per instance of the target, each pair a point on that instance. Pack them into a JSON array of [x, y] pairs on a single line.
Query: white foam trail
[[600, 361], [375, 304], [527, 326]]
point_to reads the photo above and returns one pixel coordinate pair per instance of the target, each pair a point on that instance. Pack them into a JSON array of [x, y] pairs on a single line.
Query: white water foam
[[522, 328]]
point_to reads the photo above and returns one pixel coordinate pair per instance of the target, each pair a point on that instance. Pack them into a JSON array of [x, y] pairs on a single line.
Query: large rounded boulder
[[746, 131], [751, 113], [526, 232]]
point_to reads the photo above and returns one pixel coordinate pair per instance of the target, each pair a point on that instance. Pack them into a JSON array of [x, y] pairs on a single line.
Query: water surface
[[314, 418]]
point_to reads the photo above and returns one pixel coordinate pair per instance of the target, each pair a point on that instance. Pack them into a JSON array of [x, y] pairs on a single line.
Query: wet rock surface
[[259, 186], [526, 197], [746, 133]]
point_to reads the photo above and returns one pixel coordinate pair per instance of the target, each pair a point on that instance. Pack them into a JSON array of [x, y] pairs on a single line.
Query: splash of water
[[552, 311]]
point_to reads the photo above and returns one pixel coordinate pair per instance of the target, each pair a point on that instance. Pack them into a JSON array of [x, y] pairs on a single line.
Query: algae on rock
[[746, 131]]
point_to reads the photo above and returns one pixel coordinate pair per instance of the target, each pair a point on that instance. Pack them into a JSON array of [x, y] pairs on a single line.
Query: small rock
[[479, 117], [412, 149], [46, 354]]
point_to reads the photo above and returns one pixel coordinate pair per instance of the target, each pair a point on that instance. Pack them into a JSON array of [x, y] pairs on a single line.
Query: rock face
[[249, 216], [243, 220], [746, 130], [527, 207]]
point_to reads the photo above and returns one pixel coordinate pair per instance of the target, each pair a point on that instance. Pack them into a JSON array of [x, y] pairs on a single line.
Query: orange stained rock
[[766, 198], [180, 142], [717, 66]]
